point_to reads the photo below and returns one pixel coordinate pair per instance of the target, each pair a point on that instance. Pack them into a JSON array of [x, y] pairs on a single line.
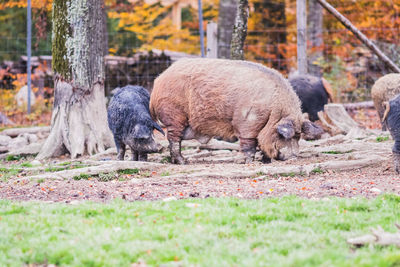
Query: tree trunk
[[301, 18], [104, 22], [79, 119], [314, 31], [225, 26], [240, 30]]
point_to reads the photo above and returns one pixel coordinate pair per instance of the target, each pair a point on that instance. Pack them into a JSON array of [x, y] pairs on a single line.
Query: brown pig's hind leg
[[175, 138]]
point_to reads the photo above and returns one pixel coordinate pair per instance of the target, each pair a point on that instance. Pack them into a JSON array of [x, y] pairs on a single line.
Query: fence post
[[200, 9], [212, 40], [301, 36], [28, 52]]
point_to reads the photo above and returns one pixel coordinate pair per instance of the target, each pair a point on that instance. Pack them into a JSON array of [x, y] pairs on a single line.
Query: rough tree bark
[[240, 30], [314, 32], [301, 18], [79, 119], [225, 26]]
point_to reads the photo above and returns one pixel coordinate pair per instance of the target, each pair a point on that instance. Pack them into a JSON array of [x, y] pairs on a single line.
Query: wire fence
[[346, 63]]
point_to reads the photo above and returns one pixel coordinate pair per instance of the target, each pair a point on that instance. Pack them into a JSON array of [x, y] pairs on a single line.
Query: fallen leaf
[[192, 205]]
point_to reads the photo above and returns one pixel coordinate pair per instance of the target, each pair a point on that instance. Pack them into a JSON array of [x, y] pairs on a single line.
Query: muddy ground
[[343, 166]]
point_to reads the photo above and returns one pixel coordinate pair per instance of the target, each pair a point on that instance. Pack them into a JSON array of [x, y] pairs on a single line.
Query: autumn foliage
[[135, 25]]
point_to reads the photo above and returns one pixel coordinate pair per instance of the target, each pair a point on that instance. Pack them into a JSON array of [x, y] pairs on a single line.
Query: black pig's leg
[[120, 149], [135, 154], [248, 147], [396, 160], [142, 156]]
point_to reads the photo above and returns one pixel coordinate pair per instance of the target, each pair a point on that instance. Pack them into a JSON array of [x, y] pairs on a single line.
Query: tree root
[[78, 124], [14, 132], [110, 166]]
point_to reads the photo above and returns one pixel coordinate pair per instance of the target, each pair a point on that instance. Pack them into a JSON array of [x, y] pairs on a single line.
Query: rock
[[75, 202], [192, 205], [22, 96], [5, 140], [169, 199], [30, 138], [357, 133], [4, 120], [17, 143], [26, 150], [39, 130], [325, 136], [35, 163], [328, 186], [375, 190]]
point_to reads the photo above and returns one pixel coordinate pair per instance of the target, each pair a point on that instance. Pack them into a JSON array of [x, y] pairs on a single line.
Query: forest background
[[137, 27]]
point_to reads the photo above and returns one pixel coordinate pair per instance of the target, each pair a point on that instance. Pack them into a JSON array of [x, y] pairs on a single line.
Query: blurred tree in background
[[142, 25]]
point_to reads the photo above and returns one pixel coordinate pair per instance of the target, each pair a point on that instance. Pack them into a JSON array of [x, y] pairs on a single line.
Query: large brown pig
[[202, 98]]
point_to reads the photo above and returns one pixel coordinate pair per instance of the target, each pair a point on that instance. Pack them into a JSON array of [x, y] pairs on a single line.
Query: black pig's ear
[[286, 129], [311, 131], [387, 109], [158, 128]]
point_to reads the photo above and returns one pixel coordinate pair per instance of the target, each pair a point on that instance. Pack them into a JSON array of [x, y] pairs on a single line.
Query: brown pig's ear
[[310, 130], [158, 128], [286, 129], [387, 109]]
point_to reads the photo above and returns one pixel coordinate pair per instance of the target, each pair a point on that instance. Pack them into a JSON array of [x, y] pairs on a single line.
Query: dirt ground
[[343, 166]]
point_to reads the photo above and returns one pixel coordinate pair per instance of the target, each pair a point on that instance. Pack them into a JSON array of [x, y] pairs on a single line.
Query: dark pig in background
[[131, 124], [391, 118], [202, 98], [313, 92]]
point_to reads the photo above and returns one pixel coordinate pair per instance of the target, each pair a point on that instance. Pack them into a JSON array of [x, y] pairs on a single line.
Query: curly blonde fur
[[217, 97]]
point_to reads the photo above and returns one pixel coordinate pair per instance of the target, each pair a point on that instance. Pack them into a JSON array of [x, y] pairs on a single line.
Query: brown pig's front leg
[[248, 147]]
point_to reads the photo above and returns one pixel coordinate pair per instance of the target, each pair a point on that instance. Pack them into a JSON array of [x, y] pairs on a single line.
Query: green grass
[[13, 157], [166, 159], [109, 176], [81, 176], [106, 177], [334, 152], [26, 164], [288, 174], [65, 166], [382, 138], [129, 171], [317, 170], [54, 169], [285, 231], [6, 173]]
